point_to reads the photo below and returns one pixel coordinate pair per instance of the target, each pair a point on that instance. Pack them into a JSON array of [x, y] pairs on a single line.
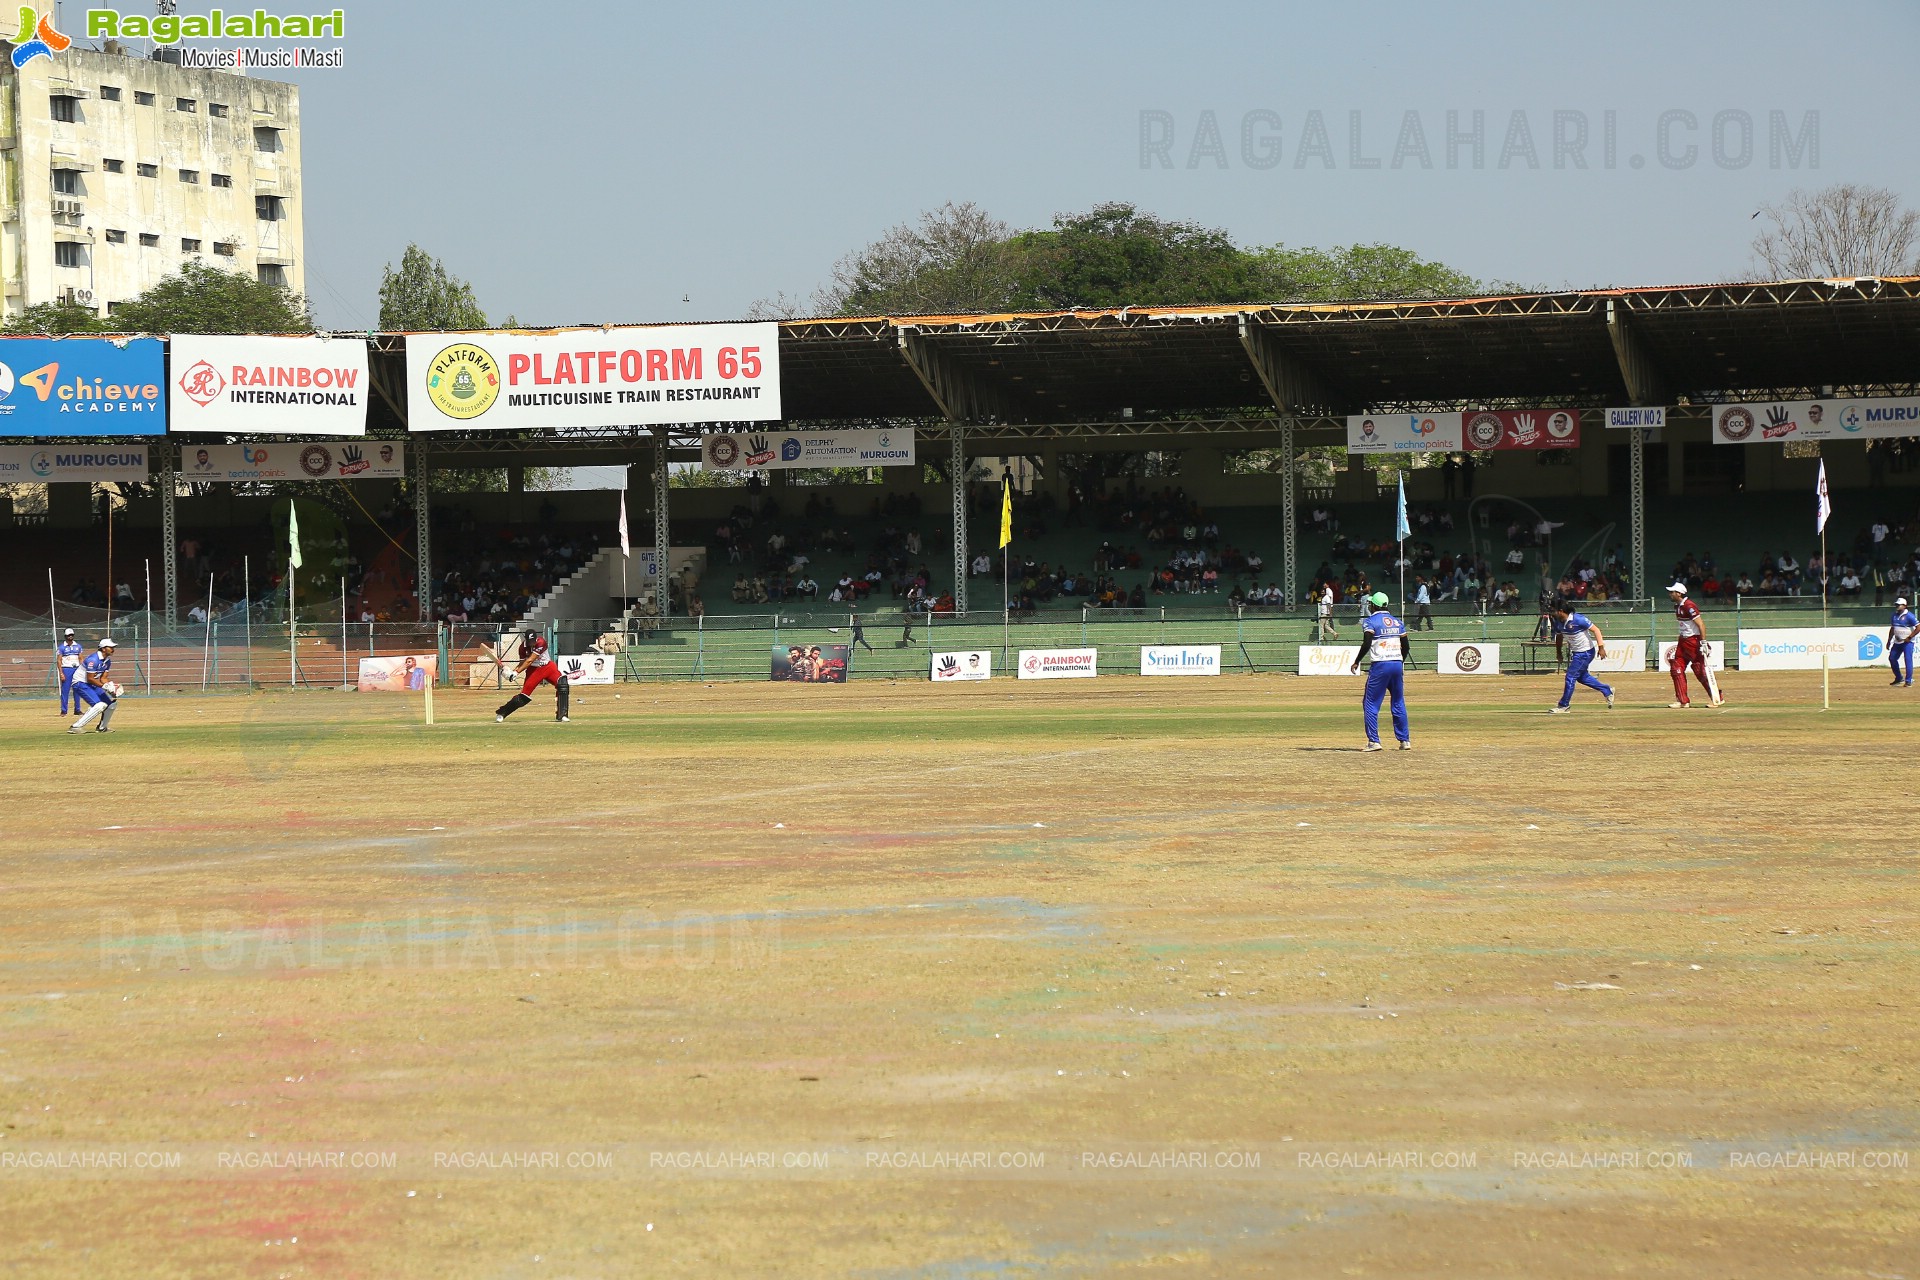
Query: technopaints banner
[[295, 460], [1808, 648], [82, 387]]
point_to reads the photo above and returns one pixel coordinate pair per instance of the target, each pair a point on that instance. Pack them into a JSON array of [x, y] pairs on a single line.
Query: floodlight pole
[[957, 480], [422, 530], [1637, 454], [662, 533], [1289, 514], [169, 535]]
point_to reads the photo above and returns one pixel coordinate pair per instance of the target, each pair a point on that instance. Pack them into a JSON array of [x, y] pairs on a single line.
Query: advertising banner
[[1179, 659], [1715, 651], [630, 375], [62, 464], [787, 450], [269, 386], [295, 460], [1326, 659], [1816, 420], [812, 663], [1059, 664], [1522, 429], [82, 387], [1642, 417], [965, 664], [588, 668], [1469, 659], [1403, 432], [1802, 648], [1622, 655], [406, 674]]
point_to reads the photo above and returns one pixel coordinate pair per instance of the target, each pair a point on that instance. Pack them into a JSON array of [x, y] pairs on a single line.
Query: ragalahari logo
[[42, 40]]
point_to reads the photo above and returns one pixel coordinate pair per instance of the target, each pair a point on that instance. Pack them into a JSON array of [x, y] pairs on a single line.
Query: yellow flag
[[1006, 512]]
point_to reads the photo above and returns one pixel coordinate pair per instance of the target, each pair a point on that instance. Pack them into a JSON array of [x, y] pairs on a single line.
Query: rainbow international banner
[[291, 386], [82, 387], [1864, 419]]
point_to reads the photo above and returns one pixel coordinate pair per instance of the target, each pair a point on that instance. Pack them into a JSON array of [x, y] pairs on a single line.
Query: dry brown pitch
[[1122, 977]]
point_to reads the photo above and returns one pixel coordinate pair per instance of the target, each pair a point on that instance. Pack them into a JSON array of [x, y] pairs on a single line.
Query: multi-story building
[[118, 167]]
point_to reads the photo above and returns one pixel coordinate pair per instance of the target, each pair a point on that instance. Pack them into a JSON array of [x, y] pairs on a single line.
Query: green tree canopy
[[55, 317], [421, 295], [204, 299]]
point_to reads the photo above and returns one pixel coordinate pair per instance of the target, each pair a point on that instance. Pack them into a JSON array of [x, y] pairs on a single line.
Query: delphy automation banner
[[626, 376]]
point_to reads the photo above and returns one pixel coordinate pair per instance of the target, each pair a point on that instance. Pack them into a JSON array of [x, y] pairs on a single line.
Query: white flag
[[624, 552], [1826, 507]]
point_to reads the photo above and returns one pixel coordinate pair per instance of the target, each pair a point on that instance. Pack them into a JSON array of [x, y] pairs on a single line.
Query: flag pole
[[53, 612], [149, 572], [246, 588], [293, 668], [1824, 510]]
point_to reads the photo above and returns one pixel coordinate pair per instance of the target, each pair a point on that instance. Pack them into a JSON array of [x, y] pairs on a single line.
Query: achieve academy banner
[[82, 387], [635, 375]]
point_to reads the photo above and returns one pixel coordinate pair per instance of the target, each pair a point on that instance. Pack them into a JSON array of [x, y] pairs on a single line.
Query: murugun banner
[[791, 450], [1868, 419], [73, 463], [82, 387], [628, 375], [297, 386], [295, 460]]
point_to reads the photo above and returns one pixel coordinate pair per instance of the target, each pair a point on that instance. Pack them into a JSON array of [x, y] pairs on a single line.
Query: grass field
[[1124, 977]]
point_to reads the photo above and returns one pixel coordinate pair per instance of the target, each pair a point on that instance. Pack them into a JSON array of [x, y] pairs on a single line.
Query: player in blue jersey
[[1383, 638], [67, 652], [1900, 640], [1584, 644], [91, 688]]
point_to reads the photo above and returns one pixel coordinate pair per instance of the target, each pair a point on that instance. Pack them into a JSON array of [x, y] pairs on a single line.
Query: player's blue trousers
[[66, 688], [1577, 664], [1895, 652], [1386, 680]]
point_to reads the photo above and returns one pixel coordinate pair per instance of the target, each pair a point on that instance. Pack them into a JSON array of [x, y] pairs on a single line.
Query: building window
[[225, 248], [116, 237], [64, 108], [218, 110], [67, 253], [190, 175], [189, 245], [66, 182], [113, 166], [272, 273], [266, 138], [109, 93], [268, 208], [149, 241], [147, 170], [222, 179], [185, 104], [141, 98]]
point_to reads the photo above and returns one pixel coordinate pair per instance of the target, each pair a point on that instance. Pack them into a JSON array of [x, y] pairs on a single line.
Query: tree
[[204, 299], [955, 259], [1358, 271], [421, 295], [1844, 230], [1114, 255], [55, 317]]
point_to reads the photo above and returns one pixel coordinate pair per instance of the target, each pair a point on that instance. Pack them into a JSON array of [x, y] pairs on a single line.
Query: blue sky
[[599, 161]]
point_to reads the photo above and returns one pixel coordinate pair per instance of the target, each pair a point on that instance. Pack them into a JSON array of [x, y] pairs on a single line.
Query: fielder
[[537, 668], [1584, 644], [1384, 637], [1900, 640], [1691, 652], [68, 652], [93, 688]]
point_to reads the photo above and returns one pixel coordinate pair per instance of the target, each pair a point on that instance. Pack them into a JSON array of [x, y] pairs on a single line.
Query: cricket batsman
[[1900, 640], [68, 653], [1384, 638], [1691, 651], [536, 668], [92, 688]]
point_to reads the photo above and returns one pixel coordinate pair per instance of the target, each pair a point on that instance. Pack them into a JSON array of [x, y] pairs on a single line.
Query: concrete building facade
[[116, 168]]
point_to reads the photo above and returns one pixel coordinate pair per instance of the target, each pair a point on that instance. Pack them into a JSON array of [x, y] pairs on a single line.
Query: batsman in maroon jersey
[[538, 668], [1691, 652]]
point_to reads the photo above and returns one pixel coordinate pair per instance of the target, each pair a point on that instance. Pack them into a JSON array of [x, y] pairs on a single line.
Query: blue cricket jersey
[[1578, 629], [1904, 625], [1386, 636]]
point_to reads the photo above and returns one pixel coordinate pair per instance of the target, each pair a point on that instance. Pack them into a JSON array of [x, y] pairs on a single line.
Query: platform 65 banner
[[1403, 433], [60, 464], [633, 375], [1816, 420], [262, 386], [1522, 429], [295, 460], [81, 387], [784, 451]]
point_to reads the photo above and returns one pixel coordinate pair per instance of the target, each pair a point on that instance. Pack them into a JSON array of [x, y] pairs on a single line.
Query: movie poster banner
[[788, 450], [405, 674], [1521, 429], [588, 668], [1873, 419], [82, 387], [1403, 433], [295, 460], [295, 386], [630, 375], [71, 463], [1059, 664], [965, 664], [812, 663]]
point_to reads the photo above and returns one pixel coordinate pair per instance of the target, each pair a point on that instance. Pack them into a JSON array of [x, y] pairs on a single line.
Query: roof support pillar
[[1646, 385]]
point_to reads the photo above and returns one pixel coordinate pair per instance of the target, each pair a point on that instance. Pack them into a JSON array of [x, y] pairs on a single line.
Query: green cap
[[1378, 599]]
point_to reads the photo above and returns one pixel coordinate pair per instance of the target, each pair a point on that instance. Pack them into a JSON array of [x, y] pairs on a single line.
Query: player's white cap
[[107, 642], [1899, 600], [69, 630], [1681, 587]]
